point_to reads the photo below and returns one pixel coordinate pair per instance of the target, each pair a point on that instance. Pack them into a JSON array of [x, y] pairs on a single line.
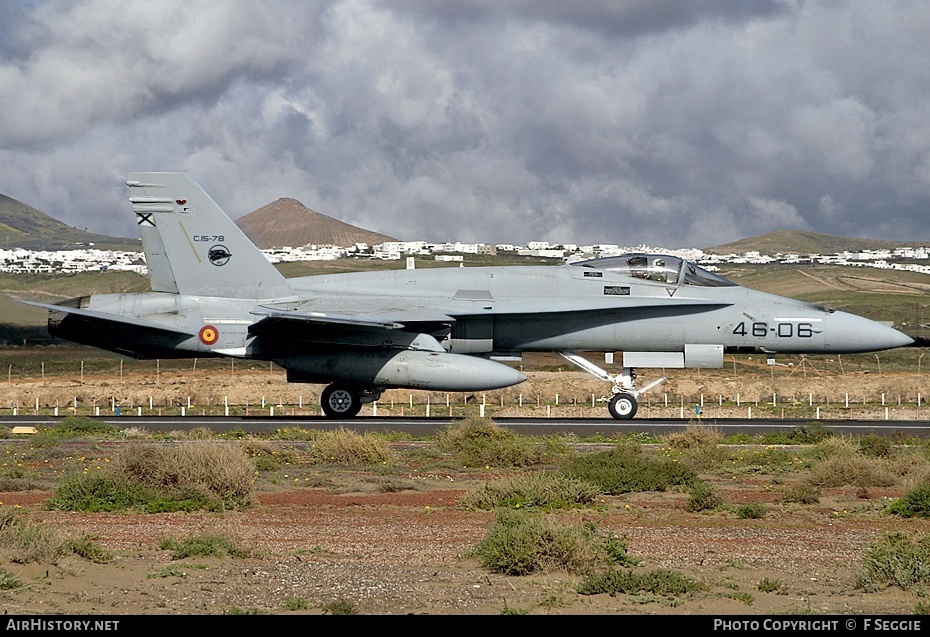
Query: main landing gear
[[345, 401], [622, 403]]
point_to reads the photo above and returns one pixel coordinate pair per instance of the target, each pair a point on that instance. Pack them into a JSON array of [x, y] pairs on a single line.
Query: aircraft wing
[[375, 319], [110, 318]]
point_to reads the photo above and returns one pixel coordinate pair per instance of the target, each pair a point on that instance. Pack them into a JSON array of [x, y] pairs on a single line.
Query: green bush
[[751, 511], [626, 469], [81, 427], [803, 494], [899, 559], [521, 543], [204, 545], [659, 582], [913, 504], [704, 497], [874, 446], [95, 493], [479, 442], [8, 581], [542, 490]]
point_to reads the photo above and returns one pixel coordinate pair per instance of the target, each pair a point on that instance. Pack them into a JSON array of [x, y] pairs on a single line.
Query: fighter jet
[[443, 329]]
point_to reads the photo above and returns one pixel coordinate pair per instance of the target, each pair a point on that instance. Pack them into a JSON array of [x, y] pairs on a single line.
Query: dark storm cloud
[[660, 122]]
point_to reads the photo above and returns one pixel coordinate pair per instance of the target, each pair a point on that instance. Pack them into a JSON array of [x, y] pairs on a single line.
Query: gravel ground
[[406, 552]]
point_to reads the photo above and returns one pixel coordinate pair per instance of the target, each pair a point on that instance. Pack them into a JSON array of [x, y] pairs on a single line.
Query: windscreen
[[662, 268]]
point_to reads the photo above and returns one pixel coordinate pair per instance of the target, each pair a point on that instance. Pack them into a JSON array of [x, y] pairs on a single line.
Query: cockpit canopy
[[662, 268]]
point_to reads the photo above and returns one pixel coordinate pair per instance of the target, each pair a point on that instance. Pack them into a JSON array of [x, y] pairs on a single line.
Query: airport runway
[[581, 427]]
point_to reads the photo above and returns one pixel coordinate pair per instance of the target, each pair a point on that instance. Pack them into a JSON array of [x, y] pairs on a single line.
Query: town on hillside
[[19, 260]]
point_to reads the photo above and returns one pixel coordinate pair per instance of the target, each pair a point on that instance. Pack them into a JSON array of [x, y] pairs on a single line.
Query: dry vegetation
[[477, 520]]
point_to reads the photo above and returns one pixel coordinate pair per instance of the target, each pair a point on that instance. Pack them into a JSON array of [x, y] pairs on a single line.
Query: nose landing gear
[[622, 403]]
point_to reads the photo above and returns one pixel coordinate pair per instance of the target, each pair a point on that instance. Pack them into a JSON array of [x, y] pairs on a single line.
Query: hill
[[802, 242], [287, 222], [22, 226]]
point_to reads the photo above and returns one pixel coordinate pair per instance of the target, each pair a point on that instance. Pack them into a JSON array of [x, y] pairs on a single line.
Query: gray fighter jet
[[215, 294]]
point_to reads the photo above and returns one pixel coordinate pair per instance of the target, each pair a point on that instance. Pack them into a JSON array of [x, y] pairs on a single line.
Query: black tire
[[622, 406], [340, 401]]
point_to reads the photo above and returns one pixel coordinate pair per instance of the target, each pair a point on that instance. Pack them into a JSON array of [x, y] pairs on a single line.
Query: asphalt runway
[[581, 427]]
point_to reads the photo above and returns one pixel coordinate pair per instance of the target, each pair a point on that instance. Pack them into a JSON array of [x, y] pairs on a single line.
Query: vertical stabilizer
[[192, 247]]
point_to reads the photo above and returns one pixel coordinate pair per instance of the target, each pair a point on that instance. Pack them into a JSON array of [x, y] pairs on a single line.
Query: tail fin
[[192, 247]]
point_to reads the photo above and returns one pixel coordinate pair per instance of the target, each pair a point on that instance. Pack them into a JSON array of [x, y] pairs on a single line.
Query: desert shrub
[[899, 559], [626, 469], [803, 494], [704, 497], [522, 542], [807, 434], [29, 541], [767, 585], [348, 447], [480, 442], [99, 492], [873, 446], [163, 477], [214, 468], [88, 549], [542, 490], [752, 511], [915, 503], [268, 457], [197, 433], [835, 447], [8, 581], [853, 470], [204, 545], [693, 436], [41, 543], [658, 582], [340, 607]]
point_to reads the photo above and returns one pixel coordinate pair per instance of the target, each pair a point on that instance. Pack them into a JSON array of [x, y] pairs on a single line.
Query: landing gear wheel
[[622, 406], [339, 401]]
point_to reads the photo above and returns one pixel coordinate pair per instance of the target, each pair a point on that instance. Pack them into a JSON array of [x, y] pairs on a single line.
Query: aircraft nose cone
[[848, 333]]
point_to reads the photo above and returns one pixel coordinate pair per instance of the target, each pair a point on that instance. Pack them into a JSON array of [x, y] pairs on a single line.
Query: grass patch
[[915, 503], [41, 543], [660, 582], [899, 559], [159, 478], [536, 490], [8, 581], [478, 442], [81, 427], [752, 511], [626, 469], [340, 607], [346, 447], [204, 545], [803, 494], [767, 585], [807, 434], [856, 470], [521, 543], [221, 469]]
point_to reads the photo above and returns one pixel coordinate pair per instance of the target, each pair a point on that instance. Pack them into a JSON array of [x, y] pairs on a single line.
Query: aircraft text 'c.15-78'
[[215, 294]]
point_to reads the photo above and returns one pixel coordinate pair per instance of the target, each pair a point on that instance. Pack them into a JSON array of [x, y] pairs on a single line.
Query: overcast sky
[[671, 123]]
